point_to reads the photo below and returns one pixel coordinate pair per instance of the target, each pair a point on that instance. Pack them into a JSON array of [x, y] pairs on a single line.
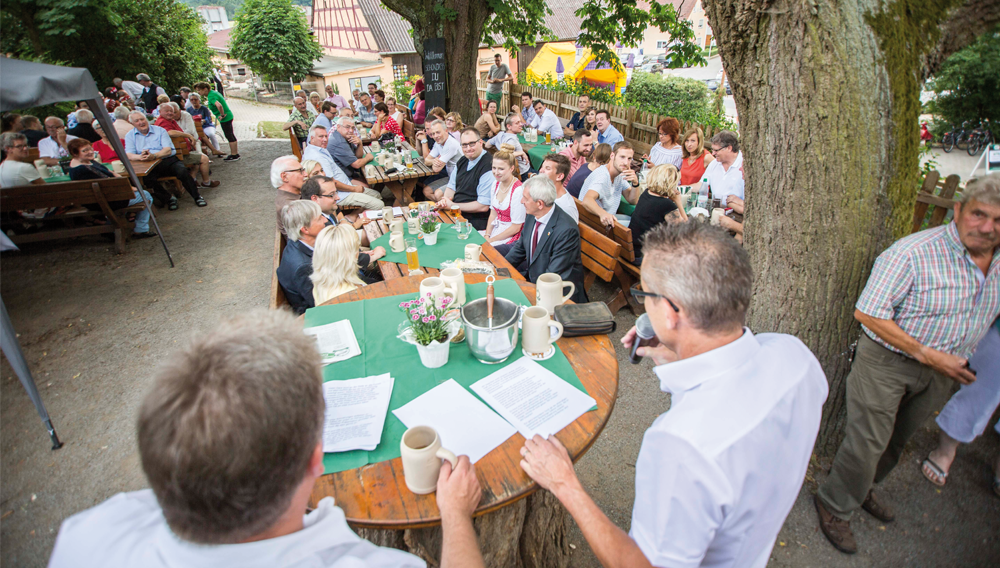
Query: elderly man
[[556, 168], [356, 100], [725, 174], [33, 130], [606, 132], [195, 108], [335, 98], [929, 300], [353, 194], [579, 118], [579, 152], [287, 177], [470, 185], [526, 109], [496, 76], [146, 143], [603, 189], [14, 171], [133, 89], [546, 121], [344, 145], [442, 158], [550, 239], [513, 125], [71, 120], [84, 128], [718, 473], [55, 146], [121, 123], [169, 120], [303, 220], [366, 111], [217, 104], [299, 120], [150, 91], [230, 437]]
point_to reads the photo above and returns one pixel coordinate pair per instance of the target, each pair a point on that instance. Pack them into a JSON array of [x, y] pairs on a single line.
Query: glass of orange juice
[[412, 259]]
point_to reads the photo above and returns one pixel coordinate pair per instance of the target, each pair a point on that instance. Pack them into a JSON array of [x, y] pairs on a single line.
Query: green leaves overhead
[[610, 22], [272, 37], [968, 83]]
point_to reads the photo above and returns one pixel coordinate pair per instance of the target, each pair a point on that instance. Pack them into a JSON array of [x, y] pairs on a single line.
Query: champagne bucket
[[491, 345]]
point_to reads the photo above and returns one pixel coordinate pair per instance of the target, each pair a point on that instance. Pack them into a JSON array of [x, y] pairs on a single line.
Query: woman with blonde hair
[[695, 158], [453, 121], [335, 262], [661, 202], [599, 157], [506, 210], [314, 101], [312, 168]]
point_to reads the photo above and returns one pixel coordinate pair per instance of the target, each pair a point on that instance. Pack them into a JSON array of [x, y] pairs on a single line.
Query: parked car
[[712, 84]]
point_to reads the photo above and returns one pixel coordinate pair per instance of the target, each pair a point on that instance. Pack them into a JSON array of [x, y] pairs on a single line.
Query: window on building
[[399, 72], [662, 44], [361, 83], [241, 71], [701, 24]]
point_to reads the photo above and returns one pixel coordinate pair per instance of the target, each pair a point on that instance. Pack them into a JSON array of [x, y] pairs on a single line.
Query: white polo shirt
[[725, 182], [449, 153], [49, 148], [129, 530], [548, 122], [718, 473]]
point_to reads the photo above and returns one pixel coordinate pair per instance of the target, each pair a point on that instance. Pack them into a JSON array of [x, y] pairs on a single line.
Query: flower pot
[[434, 355], [431, 238]]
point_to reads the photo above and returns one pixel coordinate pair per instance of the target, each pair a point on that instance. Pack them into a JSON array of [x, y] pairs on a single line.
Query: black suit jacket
[[558, 251], [293, 275]]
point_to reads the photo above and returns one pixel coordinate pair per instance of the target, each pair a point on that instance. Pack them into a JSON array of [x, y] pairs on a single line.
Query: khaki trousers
[[369, 199], [889, 396]]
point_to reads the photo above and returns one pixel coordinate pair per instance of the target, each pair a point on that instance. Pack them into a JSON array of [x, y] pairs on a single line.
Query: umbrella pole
[[12, 349]]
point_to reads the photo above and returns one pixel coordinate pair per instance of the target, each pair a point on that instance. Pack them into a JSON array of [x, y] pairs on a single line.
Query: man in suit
[[303, 220], [550, 239]]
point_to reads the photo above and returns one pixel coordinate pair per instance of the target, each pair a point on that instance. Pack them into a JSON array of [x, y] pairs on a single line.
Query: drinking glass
[[464, 230], [548, 137], [423, 207], [412, 259]]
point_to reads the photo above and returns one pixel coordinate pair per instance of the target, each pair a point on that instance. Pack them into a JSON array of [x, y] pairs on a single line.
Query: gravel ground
[[93, 326]]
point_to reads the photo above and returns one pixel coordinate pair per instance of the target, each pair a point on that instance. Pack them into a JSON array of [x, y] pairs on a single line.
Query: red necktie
[[534, 238]]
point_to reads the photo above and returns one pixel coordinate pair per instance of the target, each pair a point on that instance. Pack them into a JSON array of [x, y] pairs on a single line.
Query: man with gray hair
[[84, 128], [121, 123], [55, 147], [146, 143], [150, 91], [513, 124], [303, 220], [14, 171], [929, 300], [299, 120], [345, 147], [718, 473], [287, 176], [550, 238], [725, 174], [352, 194]]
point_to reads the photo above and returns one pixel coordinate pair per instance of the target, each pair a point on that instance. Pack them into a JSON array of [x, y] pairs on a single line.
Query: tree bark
[[828, 99]]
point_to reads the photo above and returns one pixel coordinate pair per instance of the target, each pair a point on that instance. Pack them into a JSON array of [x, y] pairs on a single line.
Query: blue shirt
[[323, 121], [485, 188], [528, 114], [203, 112], [342, 152], [154, 140], [365, 115], [611, 136], [323, 157]]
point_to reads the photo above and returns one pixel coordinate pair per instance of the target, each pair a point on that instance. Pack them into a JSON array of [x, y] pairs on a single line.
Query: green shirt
[[307, 120], [215, 97]]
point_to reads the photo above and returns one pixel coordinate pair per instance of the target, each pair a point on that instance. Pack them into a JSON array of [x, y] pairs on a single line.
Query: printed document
[[336, 341], [355, 413]]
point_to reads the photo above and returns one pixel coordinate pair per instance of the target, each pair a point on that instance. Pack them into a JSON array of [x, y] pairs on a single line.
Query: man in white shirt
[[718, 473], [513, 124], [351, 193], [441, 159], [231, 476], [13, 171], [131, 87], [55, 147], [725, 174], [546, 121], [603, 190], [556, 167]]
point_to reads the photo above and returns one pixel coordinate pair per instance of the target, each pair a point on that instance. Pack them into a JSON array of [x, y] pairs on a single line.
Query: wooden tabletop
[[376, 496], [391, 270], [419, 169], [142, 168]]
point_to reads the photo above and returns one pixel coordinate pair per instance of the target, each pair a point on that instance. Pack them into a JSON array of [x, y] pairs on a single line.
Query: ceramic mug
[[387, 215], [118, 167], [396, 242], [397, 226], [421, 452], [436, 287], [549, 291], [455, 280], [472, 252], [717, 214], [369, 171], [536, 336]]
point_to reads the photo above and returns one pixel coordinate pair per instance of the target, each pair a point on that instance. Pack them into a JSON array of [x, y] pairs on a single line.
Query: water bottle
[[703, 193], [644, 171]]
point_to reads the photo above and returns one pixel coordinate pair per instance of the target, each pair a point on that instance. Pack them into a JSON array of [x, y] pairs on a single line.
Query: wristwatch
[[424, 141]]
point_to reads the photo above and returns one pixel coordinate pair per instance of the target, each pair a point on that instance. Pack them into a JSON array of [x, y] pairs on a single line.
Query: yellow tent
[[580, 68]]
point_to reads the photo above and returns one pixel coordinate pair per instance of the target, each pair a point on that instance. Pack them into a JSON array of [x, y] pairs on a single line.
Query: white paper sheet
[[532, 398], [377, 213], [465, 425], [355, 412], [336, 341]]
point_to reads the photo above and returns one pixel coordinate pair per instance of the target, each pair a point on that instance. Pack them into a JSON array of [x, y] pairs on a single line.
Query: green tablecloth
[[448, 247], [375, 323], [537, 151], [626, 208], [56, 179]]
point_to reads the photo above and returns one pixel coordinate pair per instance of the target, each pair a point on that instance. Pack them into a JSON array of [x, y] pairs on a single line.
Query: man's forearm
[[612, 546], [472, 207], [890, 332], [459, 548]]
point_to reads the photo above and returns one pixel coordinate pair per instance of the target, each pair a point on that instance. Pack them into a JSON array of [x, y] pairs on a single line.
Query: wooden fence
[[636, 126]]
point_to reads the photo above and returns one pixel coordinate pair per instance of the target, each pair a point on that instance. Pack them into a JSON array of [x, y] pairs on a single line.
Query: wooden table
[[392, 270], [375, 496], [403, 181]]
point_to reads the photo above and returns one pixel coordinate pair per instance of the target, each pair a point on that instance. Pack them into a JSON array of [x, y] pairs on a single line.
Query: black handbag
[[592, 318]]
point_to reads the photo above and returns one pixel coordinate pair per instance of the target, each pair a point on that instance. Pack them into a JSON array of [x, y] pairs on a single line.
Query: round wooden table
[[375, 496]]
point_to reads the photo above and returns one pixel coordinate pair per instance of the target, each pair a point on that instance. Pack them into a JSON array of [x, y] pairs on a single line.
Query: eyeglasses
[[470, 144], [641, 296], [300, 170], [713, 151], [54, 127], [20, 146], [330, 195]]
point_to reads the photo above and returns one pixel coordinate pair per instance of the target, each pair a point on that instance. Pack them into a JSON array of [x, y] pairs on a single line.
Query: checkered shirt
[[928, 284]]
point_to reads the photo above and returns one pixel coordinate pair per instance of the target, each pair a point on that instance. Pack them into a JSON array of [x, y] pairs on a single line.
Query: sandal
[[173, 205], [936, 470], [200, 202]]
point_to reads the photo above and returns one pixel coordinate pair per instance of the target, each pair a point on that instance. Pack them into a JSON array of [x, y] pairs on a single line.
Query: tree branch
[[963, 26]]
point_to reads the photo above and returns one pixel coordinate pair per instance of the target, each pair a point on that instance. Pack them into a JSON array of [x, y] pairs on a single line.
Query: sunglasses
[[640, 296]]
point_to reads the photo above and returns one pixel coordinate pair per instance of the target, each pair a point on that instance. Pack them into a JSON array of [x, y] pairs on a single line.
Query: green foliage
[[273, 38], [605, 95], [112, 38], [400, 90], [968, 83], [610, 22], [516, 22]]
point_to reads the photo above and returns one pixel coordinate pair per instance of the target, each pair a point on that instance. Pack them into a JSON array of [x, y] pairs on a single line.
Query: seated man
[[603, 190], [606, 132], [513, 125], [470, 185], [321, 191], [353, 194], [556, 167], [709, 490], [327, 114], [14, 171], [230, 475], [550, 239], [84, 128], [546, 121], [287, 176], [579, 152], [146, 143], [442, 158], [170, 115], [33, 130], [345, 147], [56, 146], [303, 220], [121, 123], [366, 111], [299, 120], [526, 110], [579, 118]]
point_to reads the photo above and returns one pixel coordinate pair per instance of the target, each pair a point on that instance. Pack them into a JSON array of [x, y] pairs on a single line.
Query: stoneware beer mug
[[454, 280], [549, 291], [397, 226], [396, 242], [421, 452], [472, 252], [387, 215], [717, 214], [536, 332], [436, 287]]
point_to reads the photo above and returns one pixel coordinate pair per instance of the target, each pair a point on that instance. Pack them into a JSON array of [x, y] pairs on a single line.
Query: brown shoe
[[213, 183], [877, 508], [836, 530]]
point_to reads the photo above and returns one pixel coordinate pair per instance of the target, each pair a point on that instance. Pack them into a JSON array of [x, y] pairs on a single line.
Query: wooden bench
[[621, 235], [409, 132], [939, 204], [600, 256], [296, 147], [74, 194], [180, 145], [277, 297]]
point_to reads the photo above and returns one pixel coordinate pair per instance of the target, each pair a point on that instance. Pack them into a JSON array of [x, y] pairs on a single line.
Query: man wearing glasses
[[55, 147], [718, 473], [13, 171], [725, 174], [287, 176], [470, 184]]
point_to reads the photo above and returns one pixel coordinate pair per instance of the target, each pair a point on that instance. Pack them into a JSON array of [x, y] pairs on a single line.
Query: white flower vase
[[434, 355], [431, 239]]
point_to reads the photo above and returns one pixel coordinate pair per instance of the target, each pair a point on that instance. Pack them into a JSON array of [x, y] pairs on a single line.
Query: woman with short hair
[[384, 122], [83, 167], [335, 262], [667, 150]]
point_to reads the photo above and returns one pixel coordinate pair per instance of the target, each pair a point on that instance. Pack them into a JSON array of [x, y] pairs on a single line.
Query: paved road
[[249, 113]]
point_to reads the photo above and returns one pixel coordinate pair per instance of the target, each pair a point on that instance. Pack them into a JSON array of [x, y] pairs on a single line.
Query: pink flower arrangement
[[427, 318]]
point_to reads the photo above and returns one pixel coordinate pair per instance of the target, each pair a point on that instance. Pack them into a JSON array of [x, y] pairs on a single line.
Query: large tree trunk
[[828, 99]]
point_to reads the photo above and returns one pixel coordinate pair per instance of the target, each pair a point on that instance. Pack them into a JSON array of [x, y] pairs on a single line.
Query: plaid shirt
[[928, 284]]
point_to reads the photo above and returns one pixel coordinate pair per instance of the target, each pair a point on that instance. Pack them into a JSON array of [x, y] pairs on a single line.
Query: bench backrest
[[296, 147], [32, 156], [409, 132], [938, 204], [599, 253], [65, 194], [619, 233], [180, 144], [277, 298]]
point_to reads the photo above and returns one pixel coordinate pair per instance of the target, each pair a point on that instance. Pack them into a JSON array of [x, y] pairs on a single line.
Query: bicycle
[[980, 138], [948, 140]]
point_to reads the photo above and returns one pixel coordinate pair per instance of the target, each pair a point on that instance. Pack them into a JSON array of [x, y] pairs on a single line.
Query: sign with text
[[993, 158], [435, 73]]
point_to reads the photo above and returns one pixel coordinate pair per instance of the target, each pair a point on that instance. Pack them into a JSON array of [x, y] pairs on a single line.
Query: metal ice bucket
[[491, 345]]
